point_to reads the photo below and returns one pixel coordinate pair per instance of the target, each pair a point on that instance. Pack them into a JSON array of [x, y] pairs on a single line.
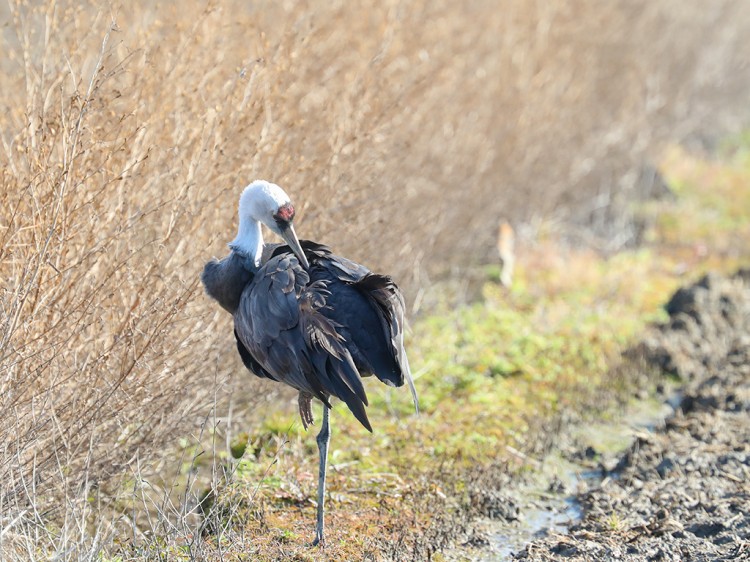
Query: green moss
[[490, 372], [239, 445]]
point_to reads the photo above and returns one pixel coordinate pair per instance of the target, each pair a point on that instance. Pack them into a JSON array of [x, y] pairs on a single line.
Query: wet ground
[[669, 479]]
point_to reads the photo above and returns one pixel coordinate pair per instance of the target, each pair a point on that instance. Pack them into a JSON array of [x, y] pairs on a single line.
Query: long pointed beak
[[290, 237]]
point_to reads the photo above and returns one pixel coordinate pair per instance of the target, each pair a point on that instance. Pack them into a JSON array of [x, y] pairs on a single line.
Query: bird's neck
[[249, 240]]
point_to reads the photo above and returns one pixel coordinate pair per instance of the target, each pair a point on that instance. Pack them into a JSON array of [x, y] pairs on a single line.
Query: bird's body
[[320, 330], [306, 317]]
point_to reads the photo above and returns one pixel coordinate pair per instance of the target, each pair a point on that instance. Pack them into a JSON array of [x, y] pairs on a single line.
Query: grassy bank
[[495, 376], [402, 130]]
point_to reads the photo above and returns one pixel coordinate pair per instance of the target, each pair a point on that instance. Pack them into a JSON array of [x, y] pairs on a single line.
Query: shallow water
[[549, 500], [549, 513]]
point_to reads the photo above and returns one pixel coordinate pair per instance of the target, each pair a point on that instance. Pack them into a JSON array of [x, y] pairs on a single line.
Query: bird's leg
[[305, 409], [323, 438]]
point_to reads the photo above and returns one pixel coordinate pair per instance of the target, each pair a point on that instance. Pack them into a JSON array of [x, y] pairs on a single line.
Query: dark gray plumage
[[321, 330], [225, 279], [308, 318]]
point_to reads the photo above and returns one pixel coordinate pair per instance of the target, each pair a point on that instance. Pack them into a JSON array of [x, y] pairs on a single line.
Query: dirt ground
[[682, 490]]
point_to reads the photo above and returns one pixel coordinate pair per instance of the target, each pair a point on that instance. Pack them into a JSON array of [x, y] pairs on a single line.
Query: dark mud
[[681, 491], [545, 499]]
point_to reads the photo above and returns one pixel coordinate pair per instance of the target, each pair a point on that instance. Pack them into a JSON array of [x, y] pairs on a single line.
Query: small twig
[[518, 454]]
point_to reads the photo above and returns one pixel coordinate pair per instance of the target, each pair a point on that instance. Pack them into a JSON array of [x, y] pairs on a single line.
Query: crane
[[308, 318]]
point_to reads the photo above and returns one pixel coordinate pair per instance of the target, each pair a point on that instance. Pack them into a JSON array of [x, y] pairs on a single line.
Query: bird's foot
[[305, 409], [319, 539]]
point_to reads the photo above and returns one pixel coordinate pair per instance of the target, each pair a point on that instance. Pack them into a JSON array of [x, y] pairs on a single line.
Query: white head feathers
[[265, 202], [260, 201]]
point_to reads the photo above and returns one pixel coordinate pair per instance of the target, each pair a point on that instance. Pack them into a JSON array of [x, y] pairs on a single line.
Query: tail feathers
[[330, 373], [333, 367], [345, 379], [410, 383], [389, 302], [357, 408]]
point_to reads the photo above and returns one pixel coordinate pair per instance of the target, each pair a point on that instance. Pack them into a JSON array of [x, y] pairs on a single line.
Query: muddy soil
[[681, 491]]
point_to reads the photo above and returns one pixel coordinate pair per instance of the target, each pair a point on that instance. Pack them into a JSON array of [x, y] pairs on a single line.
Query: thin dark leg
[[323, 438]]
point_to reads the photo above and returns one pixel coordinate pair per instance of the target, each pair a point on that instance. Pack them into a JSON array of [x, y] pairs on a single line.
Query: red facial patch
[[285, 212]]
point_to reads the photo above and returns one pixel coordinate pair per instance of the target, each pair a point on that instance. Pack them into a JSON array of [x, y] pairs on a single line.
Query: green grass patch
[[489, 373]]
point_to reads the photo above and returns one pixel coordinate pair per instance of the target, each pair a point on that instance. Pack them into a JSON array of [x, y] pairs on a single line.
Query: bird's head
[[267, 203]]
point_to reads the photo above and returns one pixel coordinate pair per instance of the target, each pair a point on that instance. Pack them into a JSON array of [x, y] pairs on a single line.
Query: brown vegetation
[[403, 132]]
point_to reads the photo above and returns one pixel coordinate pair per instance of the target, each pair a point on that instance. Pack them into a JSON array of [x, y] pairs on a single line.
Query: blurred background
[[405, 132]]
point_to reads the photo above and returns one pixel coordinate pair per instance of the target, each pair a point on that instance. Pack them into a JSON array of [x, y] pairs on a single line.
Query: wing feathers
[[287, 329], [283, 335], [321, 337], [386, 296]]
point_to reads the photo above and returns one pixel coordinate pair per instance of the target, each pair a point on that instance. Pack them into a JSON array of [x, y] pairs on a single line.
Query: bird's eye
[[285, 214]]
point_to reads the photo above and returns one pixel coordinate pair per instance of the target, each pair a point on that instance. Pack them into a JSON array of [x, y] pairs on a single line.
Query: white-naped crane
[[308, 318]]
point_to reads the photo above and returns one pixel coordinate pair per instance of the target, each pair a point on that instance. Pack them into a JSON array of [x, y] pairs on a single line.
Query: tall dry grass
[[404, 132]]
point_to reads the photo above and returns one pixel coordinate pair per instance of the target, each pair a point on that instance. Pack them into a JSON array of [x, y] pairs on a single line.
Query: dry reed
[[403, 131]]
